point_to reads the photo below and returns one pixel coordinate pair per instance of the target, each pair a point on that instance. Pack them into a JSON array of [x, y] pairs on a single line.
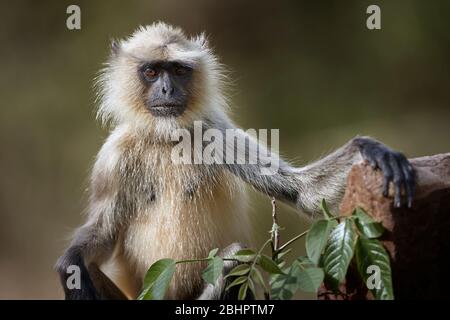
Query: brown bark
[[417, 239]]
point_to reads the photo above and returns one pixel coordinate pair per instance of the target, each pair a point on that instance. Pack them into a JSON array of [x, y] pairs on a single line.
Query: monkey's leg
[[217, 291], [88, 246], [104, 286]]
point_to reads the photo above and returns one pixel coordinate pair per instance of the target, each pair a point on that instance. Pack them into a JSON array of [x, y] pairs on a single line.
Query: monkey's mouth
[[166, 110]]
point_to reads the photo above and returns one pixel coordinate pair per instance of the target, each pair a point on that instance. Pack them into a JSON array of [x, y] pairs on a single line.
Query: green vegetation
[[332, 244]]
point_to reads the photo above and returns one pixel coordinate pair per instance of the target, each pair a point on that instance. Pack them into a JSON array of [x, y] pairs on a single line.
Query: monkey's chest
[[188, 212]]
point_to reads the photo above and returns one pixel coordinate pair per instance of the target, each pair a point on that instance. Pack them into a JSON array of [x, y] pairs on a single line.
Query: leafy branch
[[332, 243]]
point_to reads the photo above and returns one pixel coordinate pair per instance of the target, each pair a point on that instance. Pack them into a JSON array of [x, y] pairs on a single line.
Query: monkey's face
[[159, 80], [168, 86]]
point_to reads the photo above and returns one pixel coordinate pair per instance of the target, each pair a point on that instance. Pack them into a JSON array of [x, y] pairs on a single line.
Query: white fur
[[171, 226], [120, 90], [137, 157]]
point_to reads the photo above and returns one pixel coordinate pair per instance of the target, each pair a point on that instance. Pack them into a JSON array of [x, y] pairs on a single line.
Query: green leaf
[[366, 225], [243, 291], [310, 279], [283, 253], [284, 285], [257, 277], [245, 252], [370, 253], [239, 270], [317, 237], [268, 264], [339, 252], [236, 281], [251, 286], [213, 253], [213, 270], [305, 262], [325, 210], [157, 280], [245, 255]]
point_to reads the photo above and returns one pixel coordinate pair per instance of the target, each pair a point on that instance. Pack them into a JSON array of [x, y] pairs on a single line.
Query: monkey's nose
[[167, 90]]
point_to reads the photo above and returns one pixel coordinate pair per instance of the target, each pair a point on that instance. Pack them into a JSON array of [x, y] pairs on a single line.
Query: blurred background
[[311, 69]]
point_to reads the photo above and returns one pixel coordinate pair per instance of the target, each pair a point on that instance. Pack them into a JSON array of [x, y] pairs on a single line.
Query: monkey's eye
[[181, 71], [150, 72]]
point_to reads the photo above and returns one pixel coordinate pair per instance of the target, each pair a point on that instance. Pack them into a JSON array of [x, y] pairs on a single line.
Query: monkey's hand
[[394, 165], [85, 290]]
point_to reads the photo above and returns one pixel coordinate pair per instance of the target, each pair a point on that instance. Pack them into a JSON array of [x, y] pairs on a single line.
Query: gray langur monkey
[[143, 207]]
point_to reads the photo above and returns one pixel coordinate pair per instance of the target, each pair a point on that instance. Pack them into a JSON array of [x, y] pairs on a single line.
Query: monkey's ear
[[115, 47]]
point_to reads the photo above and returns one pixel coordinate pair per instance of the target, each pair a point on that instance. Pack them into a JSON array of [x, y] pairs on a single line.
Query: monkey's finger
[[399, 179], [387, 174], [410, 179], [412, 186], [410, 192], [373, 163], [371, 155]]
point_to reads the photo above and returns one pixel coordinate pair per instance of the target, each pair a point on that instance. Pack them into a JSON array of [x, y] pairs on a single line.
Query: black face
[[168, 87]]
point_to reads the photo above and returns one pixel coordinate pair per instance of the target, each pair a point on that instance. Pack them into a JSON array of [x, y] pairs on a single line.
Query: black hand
[[395, 168], [87, 290]]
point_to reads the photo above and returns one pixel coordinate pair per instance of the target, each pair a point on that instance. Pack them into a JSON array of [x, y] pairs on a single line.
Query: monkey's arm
[[326, 179], [94, 242], [89, 245]]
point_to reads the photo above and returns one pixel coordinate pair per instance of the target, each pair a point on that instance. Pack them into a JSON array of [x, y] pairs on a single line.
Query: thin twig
[[203, 259], [275, 227], [292, 240]]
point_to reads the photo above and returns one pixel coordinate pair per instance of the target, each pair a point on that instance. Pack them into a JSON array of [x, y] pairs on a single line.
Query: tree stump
[[417, 239]]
